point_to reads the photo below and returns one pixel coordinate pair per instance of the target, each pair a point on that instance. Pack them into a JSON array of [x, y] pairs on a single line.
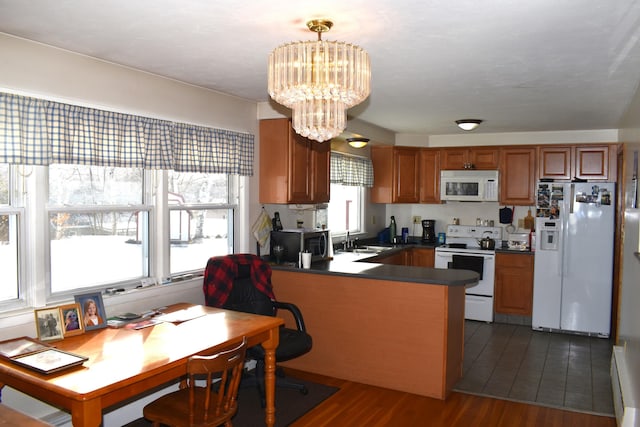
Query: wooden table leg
[[86, 414], [270, 376]]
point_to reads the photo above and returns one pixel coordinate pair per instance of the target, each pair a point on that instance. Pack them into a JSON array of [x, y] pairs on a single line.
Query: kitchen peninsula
[[392, 326]]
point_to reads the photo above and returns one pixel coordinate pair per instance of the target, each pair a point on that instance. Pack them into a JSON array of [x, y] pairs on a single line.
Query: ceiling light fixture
[[468, 124], [359, 142], [319, 80]]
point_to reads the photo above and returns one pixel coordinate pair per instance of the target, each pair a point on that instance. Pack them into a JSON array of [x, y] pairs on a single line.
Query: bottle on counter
[[392, 229]]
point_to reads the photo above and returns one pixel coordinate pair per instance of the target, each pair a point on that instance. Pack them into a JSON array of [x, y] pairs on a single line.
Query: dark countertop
[[358, 265], [513, 251]]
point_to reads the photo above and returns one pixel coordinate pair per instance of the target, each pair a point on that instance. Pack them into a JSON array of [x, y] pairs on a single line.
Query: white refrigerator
[[573, 273]]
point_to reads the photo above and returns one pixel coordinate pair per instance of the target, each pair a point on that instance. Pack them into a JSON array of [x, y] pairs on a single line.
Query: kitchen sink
[[367, 249], [379, 248]]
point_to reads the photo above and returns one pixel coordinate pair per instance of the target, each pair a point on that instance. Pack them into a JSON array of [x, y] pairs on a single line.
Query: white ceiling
[[533, 65]]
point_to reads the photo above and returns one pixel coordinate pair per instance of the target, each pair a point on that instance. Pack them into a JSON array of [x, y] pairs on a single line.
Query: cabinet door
[[300, 169], [429, 173], [554, 162], [320, 156], [514, 284], [397, 258], [422, 257], [592, 162], [406, 164], [484, 158], [517, 176], [382, 159], [453, 158], [274, 161]]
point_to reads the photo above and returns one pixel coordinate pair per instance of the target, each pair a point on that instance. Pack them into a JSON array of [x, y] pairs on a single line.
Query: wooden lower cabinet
[[422, 257], [514, 284], [396, 258]]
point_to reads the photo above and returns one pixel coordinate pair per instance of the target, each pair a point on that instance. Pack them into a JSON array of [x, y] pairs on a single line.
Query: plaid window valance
[[351, 170], [39, 132]]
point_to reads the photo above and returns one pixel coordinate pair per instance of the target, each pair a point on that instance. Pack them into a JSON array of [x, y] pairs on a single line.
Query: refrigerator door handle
[[565, 224], [573, 195]]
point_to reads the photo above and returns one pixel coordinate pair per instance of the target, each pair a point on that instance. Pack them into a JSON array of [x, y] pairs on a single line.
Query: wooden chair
[[213, 402]]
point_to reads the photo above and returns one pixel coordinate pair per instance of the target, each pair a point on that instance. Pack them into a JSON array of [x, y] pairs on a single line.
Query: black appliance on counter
[[294, 241], [429, 230]]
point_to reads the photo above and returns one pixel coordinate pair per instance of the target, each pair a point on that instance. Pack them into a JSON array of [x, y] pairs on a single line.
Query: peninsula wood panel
[[398, 335]]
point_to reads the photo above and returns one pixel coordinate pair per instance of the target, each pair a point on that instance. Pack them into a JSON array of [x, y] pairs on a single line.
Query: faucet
[[347, 243]]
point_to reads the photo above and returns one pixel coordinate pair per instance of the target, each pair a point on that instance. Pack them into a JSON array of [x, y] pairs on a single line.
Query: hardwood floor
[[363, 405]]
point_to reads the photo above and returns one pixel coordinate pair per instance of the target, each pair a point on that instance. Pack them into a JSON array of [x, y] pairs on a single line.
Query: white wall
[[629, 298]]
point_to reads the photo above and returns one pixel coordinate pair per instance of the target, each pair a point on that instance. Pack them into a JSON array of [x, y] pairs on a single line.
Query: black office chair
[[242, 282]]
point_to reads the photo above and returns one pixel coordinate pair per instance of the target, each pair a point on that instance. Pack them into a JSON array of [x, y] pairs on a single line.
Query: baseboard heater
[[627, 415]]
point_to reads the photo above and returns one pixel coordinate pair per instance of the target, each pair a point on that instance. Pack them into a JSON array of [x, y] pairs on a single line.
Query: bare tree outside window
[[97, 220], [200, 218]]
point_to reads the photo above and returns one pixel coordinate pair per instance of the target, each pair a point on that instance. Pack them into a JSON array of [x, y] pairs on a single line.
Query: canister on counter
[[405, 234], [442, 238]]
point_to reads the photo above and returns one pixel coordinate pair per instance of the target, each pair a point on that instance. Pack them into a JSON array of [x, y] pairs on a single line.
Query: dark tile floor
[[552, 369]]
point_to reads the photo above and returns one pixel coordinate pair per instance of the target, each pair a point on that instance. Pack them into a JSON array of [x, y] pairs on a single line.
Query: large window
[[98, 226], [9, 219], [345, 209], [350, 175], [201, 208]]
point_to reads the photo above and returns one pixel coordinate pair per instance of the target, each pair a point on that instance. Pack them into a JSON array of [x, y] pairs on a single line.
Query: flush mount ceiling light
[[319, 80], [468, 124], [358, 142]]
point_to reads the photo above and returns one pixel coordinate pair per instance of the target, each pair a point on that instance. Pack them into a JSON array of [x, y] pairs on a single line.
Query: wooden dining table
[[124, 363]]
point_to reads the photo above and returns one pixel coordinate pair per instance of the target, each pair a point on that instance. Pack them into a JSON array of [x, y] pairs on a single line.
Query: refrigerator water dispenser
[[549, 235]]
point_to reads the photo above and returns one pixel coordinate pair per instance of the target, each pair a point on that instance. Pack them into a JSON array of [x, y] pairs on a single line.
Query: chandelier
[[319, 80]]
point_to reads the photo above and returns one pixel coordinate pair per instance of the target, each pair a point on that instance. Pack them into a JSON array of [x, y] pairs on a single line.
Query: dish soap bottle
[[392, 230]]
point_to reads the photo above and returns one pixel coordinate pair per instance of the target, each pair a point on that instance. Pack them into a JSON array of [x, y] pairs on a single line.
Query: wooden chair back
[[210, 395]]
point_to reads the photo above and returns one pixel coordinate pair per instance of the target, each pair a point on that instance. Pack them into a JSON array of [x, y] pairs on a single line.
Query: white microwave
[[469, 185]]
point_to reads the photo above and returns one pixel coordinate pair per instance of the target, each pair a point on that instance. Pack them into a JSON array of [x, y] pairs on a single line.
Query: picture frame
[[90, 320], [21, 346], [49, 325], [50, 360], [72, 323], [38, 355]]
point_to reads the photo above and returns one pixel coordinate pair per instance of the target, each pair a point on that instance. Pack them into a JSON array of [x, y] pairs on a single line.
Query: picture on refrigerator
[[573, 270]]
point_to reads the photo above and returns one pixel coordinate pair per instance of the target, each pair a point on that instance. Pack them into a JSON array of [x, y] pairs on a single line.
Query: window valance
[[39, 132], [351, 170]]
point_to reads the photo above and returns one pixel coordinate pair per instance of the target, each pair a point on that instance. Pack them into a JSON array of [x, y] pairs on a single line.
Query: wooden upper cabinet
[[293, 169], [429, 173], [321, 166], [595, 162], [481, 158], [555, 162], [517, 175], [591, 162], [406, 162], [395, 174]]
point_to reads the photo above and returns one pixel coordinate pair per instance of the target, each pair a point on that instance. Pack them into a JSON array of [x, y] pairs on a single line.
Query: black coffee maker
[[429, 230]]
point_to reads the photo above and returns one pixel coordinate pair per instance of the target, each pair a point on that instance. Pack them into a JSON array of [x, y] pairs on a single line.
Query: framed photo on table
[[92, 308], [49, 324], [71, 316]]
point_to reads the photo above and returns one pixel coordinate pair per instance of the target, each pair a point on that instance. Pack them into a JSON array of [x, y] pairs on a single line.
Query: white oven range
[[462, 251]]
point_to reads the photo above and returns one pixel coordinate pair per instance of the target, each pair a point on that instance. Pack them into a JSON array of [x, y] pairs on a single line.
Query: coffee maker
[[429, 230]]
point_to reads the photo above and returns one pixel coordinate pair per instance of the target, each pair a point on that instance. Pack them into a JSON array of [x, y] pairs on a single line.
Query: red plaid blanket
[[221, 271]]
